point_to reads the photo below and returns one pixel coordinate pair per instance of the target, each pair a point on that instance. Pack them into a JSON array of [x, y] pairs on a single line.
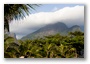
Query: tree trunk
[[6, 26]]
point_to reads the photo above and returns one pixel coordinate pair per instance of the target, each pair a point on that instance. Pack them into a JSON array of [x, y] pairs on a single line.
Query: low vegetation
[[52, 46]]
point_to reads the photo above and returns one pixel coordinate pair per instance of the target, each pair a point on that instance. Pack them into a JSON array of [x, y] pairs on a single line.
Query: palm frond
[[18, 11]]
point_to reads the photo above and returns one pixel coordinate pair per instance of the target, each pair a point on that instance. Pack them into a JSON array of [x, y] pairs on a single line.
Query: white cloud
[[69, 15]]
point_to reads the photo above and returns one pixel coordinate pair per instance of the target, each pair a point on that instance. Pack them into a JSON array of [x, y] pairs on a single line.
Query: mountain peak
[[55, 26], [74, 28], [52, 29]]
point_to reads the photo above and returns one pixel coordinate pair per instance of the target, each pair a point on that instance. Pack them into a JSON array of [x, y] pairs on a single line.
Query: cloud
[[68, 15], [55, 9]]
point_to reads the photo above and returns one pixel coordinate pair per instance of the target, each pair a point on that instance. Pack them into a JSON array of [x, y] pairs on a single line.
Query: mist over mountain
[[82, 28], [52, 29]]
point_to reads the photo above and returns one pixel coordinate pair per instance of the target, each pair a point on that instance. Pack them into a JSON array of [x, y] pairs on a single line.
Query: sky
[[70, 14]]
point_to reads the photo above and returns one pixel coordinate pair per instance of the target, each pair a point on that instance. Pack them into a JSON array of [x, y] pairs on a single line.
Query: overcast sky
[[70, 14]]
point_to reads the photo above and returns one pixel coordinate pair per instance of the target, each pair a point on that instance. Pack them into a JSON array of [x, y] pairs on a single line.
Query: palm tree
[[16, 11], [66, 51]]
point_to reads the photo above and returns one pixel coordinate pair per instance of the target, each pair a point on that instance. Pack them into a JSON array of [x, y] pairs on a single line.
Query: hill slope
[[52, 29]]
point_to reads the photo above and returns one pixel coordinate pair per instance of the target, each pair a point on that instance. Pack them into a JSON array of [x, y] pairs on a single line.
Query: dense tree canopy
[[53, 46]]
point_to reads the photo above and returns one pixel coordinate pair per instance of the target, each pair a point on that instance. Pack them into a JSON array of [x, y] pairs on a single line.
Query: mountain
[[74, 28], [52, 29]]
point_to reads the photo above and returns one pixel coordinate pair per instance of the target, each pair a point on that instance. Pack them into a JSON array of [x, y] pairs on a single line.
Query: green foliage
[[53, 46], [10, 47], [17, 11]]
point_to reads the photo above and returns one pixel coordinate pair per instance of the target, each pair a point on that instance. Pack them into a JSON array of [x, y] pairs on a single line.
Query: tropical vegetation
[[52, 46]]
